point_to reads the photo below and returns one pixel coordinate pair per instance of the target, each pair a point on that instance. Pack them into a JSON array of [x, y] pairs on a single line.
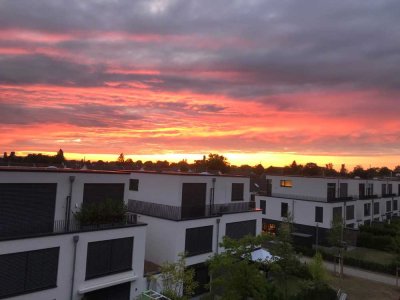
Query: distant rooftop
[[69, 170]]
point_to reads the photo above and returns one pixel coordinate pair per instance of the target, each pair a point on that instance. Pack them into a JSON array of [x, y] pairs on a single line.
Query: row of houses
[[46, 254], [314, 203]]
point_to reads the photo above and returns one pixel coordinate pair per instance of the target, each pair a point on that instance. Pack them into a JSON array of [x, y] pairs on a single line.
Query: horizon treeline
[[213, 163]]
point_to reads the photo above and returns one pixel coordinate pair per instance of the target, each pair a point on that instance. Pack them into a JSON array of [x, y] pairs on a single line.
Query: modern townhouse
[[46, 254], [190, 213], [313, 202]]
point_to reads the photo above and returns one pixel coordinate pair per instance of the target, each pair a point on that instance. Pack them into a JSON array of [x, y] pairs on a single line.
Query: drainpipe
[[218, 221], [212, 195], [75, 239], [68, 205]]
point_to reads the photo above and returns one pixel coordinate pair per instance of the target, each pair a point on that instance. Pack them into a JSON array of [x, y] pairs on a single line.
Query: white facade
[[304, 194], [64, 240], [65, 263], [166, 237]]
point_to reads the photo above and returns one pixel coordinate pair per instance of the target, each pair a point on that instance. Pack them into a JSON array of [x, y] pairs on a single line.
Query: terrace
[[34, 229], [180, 213]]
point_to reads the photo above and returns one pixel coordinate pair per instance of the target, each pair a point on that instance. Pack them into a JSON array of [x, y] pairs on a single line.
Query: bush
[[316, 292], [379, 242], [105, 212]]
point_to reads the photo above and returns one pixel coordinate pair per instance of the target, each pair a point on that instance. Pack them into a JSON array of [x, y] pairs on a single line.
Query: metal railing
[[178, 213], [33, 228]]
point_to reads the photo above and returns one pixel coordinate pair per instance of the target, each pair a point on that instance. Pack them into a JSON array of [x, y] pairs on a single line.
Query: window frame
[[235, 188], [286, 183]]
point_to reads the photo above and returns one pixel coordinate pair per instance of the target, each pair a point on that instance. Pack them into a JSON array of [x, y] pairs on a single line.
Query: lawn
[[376, 256], [362, 289]]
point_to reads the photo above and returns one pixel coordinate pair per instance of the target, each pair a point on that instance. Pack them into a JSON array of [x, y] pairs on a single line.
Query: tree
[[288, 263], [384, 172], [183, 165], [234, 275], [259, 169], [216, 162], [311, 169], [359, 171], [177, 280], [59, 158], [121, 158], [343, 170], [335, 235], [317, 269]]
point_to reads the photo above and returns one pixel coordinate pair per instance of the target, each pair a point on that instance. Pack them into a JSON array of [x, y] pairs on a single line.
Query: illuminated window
[[286, 183]]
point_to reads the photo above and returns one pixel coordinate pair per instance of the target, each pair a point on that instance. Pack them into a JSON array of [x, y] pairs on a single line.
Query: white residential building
[[45, 254], [312, 202], [190, 213]]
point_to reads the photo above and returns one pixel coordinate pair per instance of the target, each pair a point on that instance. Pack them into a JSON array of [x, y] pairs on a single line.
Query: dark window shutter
[[337, 212], [238, 230], [25, 272], [284, 209], [237, 192], [12, 274], [121, 256], [98, 192], [134, 184], [350, 212], [198, 240], [42, 268], [107, 257], [98, 259], [319, 214], [263, 206]]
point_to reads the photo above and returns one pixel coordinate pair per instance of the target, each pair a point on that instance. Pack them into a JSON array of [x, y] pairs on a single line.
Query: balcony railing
[[32, 228], [178, 213]]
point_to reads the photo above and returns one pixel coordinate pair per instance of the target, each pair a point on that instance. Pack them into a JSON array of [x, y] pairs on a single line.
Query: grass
[[362, 289], [376, 256]]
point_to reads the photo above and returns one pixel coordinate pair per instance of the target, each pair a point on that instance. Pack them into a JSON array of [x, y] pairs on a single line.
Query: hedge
[[379, 242]]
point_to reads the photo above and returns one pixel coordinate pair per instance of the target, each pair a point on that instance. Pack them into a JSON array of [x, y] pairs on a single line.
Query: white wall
[[65, 242], [63, 184], [166, 238], [167, 188]]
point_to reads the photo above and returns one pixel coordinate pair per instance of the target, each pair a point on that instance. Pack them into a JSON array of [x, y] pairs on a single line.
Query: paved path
[[360, 273]]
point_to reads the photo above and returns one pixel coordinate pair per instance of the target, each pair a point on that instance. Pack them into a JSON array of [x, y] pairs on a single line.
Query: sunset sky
[[259, 81]]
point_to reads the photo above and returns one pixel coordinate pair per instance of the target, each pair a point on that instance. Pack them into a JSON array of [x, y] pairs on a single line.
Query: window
[[27, 208], [390, 189], [108, 257], [370, 189], [398, 190], [198, 240], [361, 190], [116, 292], [367, 209], [133, 184], [319, 214], [388, 206], [263, 206], [284, 209], [350, 212], [395, 205], [343, 190], [99, 192], [376, 208], [337, 213], [286, 183], [237, 192], [331, 191], [26, 272], [238, 230], [269, 187], [383, 189]]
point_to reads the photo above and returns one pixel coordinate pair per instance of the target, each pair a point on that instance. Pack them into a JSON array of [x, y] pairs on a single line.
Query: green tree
[[216, 162], [317, 269], [234, 275], [335, 235], [177, 280]]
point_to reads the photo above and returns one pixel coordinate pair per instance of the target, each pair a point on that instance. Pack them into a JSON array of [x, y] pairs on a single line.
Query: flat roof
[[336, 178], [119, 172]]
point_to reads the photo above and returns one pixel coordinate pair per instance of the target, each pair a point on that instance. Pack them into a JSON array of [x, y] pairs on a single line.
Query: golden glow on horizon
[[265, 158]]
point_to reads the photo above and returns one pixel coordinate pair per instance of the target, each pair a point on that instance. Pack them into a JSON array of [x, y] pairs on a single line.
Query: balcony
[[388, 195], [178, 213], [30, 228]]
